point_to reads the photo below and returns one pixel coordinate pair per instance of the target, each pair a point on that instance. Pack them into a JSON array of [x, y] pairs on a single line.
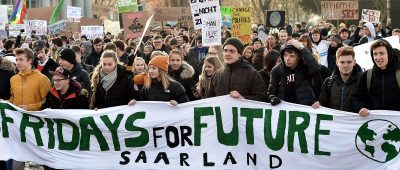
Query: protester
[[110, 85], [297, 78], [78, 57], [272, 42], [335, 44], [258, 59], [86, 50], [56, 47], [271, 60], [216, 50], [257, 43], [158, 44], [196, 56], [159, 86], [42, 62], [94, 57], [338, 89], [6, 72], [211, 64], [182, 72], [321, 45], [66, 92], [238, 78], [379, 88], [248, 54], [283, 37]]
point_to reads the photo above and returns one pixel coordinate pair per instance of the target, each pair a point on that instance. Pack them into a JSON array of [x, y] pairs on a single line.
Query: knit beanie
[[68, 54], [161, 62], [236, 43]]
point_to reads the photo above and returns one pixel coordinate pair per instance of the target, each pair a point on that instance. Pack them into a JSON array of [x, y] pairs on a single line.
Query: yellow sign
[[241, 24]]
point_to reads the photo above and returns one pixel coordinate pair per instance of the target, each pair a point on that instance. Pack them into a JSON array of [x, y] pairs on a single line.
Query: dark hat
[[62, 72], [173, 42], [236, 43], [199, 38], [335, 38], [257, 39], [68, 55], [296, 35], [38, 45]]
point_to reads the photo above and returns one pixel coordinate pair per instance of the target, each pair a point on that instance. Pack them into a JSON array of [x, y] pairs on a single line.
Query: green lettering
[[35, 127], [143, 138], [50, 126], [198, 113], [279, 140], [318, 132], [73, 144], [231, 138], [250, 114], [4, 121], [299, 128], [86, 133], [113, 127]]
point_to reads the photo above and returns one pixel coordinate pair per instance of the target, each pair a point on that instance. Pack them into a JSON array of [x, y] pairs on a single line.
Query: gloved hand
[[275, 101]]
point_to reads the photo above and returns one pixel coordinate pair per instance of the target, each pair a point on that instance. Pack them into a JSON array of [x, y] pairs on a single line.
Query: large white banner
[[203, 7], [363, 52], [92, 32], [216, 133]]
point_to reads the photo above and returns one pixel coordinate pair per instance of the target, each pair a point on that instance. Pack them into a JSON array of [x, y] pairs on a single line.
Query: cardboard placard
[[180, 14], [40, 26], [241, 24], [226, 13], [3, 17], [40, 13], [134, 24], [14, 30], [201, 7], [58, 26], [74, 14], [339, 10], [275, 19], [371, 15], [92, 31], [211, 30]]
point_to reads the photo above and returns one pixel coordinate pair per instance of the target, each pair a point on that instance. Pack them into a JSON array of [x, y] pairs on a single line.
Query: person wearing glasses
[[158, 44], [66, 92]]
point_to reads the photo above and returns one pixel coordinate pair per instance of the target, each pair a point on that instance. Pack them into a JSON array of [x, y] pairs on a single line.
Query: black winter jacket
[[81, 76], [156, 92], [6, 72], [184, 75]]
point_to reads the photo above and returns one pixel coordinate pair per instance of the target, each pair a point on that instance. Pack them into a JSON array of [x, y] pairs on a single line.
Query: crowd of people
[[308, 65]]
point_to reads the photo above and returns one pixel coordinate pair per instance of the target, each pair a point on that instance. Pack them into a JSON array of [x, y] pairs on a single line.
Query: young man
[[321, 45], [94, 57], [121, 54], [88, 68], [42, 62], [297, 79], [196, 56], [378, 88], [238, 78], [158, 44], [337, 90], [66, 92], [335, 44]]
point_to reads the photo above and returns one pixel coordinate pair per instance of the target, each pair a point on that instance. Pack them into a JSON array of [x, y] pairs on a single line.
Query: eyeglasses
[[58, 80], [212, 53], [157, 42]]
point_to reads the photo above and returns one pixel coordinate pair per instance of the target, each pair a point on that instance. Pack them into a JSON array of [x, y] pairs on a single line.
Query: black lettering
[[253, 159], [163, 156], [141, 155], [229, 156], [155, 136], [124, 155], [205, 161], [186, 131], [271, 164], [175, 133], [183, 157]]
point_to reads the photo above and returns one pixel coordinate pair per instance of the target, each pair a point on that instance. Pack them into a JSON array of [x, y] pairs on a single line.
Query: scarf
[[107, 81]]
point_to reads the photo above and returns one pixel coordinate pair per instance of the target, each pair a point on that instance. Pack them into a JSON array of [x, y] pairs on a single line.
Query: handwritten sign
[[134, 24], [181, 14], [125, 6], [15, 29], [40, 26], [241, 24], [226, 13], [74, 14], [371, 15], [335, 10], [92, 32], [3, 17], [56, 27], [203, 7], [211, 30]]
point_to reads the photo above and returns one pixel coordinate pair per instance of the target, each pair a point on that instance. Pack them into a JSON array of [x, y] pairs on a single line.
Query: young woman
[[270, 61], [258, 59], [139, 70], [272, 42], [211, 64], [161, 87], [182, 72], [216, 50], [248, 54], [110, 85]]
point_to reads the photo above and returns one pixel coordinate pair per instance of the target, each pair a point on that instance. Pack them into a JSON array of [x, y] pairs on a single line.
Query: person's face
[[146, 51], [283, 36], [344, 35], [41, 55], [199, 44], [60, 83], [180, 40], [98, 47], [316, 37], [253, 35], [257, 45], [366, 31], [153, 72], [139, 66], [291, 59], [380, 57], [345, 64], [248, 53], [209, 68], [157, 43], [108, 65], [65, 64], [72, 42], [28, 40], [271, 40], [396, 33], [23, 64], [185, 48], [333, 43], [231, 55], [167, 29], [304, 42], [213, 51], [175, 61], [83, 49]]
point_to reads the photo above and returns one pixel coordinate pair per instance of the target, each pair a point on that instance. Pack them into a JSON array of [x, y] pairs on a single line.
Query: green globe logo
[[378, 140]]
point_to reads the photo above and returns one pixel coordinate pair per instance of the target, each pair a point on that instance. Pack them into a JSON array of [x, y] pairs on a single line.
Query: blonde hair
[[137, 59], [165, 79], [203, 86]]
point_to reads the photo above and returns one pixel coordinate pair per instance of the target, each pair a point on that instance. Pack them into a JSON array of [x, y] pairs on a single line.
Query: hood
[[371, 29], [88, 46], [286, 47], [186, 71], [393, 57], [320, 39], [6, 65]]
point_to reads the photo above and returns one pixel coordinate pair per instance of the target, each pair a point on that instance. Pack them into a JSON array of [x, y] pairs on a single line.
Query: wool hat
[[160, 62], [68, 54], [236, 43]]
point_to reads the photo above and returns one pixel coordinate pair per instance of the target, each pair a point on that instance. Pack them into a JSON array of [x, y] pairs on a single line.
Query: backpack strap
[[369, 77]]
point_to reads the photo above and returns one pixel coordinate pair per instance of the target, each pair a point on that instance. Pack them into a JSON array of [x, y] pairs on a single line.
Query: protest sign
[[363, 53], [3, 34], [216, 133], [211, 30], [40, 26], [134, 24], [180, 14], [15, 29], [226, 13], [58, 26], [339, 10], [43, 13], [3, 17], [146, 28], [275, 19], [241, 24], [92, 32], [112, 27], [125, 6], [200, 7], [371, 15], [74, 14]]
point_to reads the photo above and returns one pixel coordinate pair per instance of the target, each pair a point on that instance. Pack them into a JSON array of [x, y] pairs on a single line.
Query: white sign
[[58, 26], [74, 14], [15, 29], [363, 53], [92, 32], [203, 7], [371, 15], [3, 17], [211, 29], [40, 26], [215, 133]]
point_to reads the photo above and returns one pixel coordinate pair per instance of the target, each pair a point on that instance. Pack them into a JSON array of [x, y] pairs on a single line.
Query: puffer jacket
[[184, 75], [156, 92], [29, 88], [6, 72]]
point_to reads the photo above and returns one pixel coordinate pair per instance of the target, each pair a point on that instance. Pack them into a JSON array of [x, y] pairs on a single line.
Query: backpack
[[369, 76]]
